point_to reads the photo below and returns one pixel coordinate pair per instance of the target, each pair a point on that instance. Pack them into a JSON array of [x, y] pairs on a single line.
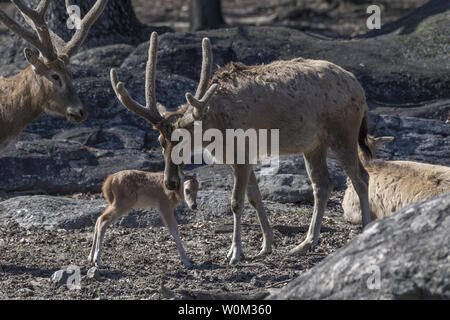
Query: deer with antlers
[[315, 104], [46, 85]]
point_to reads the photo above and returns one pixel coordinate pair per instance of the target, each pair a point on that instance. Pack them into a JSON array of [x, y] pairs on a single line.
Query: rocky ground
[[140, 260], [50, 177]]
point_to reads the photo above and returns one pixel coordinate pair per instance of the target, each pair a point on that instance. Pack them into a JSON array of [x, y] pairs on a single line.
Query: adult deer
[[395, 184], [314, 104], [46, 85]]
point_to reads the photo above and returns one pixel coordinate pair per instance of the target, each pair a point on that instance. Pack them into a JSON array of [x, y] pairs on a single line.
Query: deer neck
[[22, 100], [177, 196]]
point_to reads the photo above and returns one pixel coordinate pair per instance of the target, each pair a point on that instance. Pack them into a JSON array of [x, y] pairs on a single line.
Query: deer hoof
[[235, 255], [187, 264], [264, 252], [302, 248]]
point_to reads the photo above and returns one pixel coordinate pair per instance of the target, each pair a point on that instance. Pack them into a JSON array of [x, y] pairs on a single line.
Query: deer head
[[167, 122], [190, 189], [51, 65]]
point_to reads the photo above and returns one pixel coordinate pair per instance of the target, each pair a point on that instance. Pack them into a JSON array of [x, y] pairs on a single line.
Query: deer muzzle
[[76, 114]]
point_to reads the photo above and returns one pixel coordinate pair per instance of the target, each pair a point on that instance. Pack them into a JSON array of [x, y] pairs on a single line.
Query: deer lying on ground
[[132, 189], [46, 85], [314, 104], [395, 184]]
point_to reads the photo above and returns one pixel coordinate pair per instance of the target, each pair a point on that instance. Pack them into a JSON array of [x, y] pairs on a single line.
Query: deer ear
[[33, 59], [381, 141]]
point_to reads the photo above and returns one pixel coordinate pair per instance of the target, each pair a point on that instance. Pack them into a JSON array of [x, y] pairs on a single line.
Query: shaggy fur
[[315, 104]]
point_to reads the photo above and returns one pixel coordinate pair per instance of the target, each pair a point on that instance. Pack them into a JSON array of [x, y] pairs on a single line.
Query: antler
[[150, 111], [204, 92], [36, 19], [80, 35], [48, 43]]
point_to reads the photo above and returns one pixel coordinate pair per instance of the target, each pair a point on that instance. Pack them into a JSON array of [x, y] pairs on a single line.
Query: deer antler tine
[[36, 19], [150, 71], [201, 104], [43, 7], [19, 30], [205, 76], [86, 23], [130, 103], [30, 13], [150, 75]]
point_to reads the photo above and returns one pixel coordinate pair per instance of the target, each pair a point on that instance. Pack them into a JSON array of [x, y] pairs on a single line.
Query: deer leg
[[316, 166], [241, 175], [359, 178], [167, 215], [109, 216], [94, 243], [254, 197]]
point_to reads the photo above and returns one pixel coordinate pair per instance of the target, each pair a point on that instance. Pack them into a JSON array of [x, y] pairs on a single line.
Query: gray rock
[[403, 256], [50, 213], [55, 213], [286, 188], [68, 166], [415, 139], [438, 110]]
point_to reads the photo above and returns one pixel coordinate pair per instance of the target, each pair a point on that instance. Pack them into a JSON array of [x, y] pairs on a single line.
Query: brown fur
[[315, 104], [395, 184], [132, 189], [45, 86]]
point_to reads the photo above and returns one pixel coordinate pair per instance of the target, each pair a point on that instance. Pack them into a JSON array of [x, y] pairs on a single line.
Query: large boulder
[[403, 256], [75, 161], [55, 213]]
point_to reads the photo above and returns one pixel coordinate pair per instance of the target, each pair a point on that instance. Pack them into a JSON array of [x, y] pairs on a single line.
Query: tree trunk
[[117, 24], [206, 14]]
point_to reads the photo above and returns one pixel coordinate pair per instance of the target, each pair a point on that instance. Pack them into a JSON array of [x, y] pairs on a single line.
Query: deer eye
[[57, 79]]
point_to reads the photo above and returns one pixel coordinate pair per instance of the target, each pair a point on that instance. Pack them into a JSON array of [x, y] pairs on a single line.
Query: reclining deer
[[315, 105], [395, 184], [46, 85]]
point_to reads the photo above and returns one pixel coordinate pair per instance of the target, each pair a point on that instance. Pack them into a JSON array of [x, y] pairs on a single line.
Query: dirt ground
[[139, 262]]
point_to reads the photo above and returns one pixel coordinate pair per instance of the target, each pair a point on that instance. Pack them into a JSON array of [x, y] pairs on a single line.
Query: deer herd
[[315, 104]]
